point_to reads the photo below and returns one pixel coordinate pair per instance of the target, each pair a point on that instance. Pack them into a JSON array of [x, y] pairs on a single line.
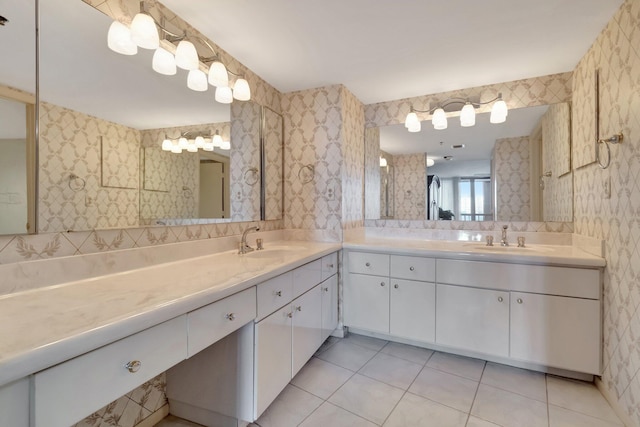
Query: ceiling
[[385, 50]]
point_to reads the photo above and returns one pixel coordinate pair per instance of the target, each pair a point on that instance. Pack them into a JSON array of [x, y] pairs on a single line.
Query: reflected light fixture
[[499, 112], [119, 39], [226, 145], [197, 80], [192, 141], [383, 162], [217, 140], [144, 32], [430, 162], [224, 95]]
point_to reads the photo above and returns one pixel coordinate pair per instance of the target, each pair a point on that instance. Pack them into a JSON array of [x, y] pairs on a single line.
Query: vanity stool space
[[535, 316]]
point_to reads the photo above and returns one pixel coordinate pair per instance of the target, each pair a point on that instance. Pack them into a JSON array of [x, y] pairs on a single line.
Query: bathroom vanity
[[536, 307]]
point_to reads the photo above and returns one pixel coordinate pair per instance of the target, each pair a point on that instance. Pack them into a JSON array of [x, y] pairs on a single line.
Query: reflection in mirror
[[273, 150], [17, 118], [490, 172]]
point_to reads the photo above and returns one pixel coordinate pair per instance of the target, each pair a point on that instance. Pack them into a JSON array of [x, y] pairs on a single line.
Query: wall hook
[[615, 139]]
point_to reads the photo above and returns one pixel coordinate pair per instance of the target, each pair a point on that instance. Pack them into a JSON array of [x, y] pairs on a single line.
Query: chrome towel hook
[[615, 139]]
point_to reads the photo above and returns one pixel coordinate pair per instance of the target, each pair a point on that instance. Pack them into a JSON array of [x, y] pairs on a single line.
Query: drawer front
[[215, 321], [413, 268], [66, 393], [306, 277], [563, 281], [329, 265], [274, 294], [367, 263]]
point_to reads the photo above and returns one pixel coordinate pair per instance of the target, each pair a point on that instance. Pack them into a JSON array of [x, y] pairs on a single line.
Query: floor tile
[[328, 343], [367, 398], [329, 415], [448, 389], [477, 422], [457, 365], [560, 417], [321, 378], [521, 381], [391, 370], [349, 356], [508, 409], [581, 397], [407, 352], [367, 342], [416, 411], [289, 409]]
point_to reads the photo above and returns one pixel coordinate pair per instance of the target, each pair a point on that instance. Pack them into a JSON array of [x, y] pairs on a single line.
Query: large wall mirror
[[519, 170], [102, 120]]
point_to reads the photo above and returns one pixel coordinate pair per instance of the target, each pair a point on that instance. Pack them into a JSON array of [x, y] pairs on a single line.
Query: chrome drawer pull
[[133, 366], [500, 299], [396, 286], [368, 265], [278, 293], [519, 300], [381, 283], [411, 268], [231, 316]]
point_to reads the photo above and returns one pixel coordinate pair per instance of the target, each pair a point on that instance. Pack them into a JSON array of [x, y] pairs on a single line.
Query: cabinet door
[[329, 290], [413, 310], [307, 328], [556, 331], [14, 404], [329, 265], [366, 302], [272, 357], [473, 319]]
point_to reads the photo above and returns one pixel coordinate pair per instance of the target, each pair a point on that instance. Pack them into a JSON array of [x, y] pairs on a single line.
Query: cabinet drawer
[[273, 294], [564, 281], [213, 322], [367, 263], [306, 277], [329, 265], [413, 268], [66, 393]]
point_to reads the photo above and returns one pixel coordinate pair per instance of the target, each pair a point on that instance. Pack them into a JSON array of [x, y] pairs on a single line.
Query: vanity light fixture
[[383, 162], [194, 141], [499, 112], [203, 71], [430, 162]]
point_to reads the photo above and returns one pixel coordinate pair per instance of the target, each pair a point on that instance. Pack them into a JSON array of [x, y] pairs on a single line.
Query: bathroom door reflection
[[386, 193]]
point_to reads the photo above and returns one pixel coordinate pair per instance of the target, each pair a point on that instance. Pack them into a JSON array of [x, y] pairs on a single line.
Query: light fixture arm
[[215, 57], [452, 101]]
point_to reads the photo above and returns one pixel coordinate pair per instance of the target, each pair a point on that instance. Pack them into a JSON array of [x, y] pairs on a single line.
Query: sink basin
[[508, 249], [277, 251]]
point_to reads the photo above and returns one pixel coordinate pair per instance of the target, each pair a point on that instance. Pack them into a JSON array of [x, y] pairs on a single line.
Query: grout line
[[475, 395], [546, 389]]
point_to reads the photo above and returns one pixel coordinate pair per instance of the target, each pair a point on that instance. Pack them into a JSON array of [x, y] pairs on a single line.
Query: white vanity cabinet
[[473, 319], [14, 404], [391, 304], [329, 306]]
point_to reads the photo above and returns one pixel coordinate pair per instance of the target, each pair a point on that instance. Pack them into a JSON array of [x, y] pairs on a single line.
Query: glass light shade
[[164, 62], [187, 56], [167, 145], [197, 80], [175, 148], [499, 112], [383, 162], [226, 145], [224, 95], [467, 116], [144, 32], [439, 119], [241, 90], [199, 141], [430, 162], [192, 147], [411, 120], [218, 75], [217, 140], [415, 127], [208, 146], [183, 143], [119, 39]]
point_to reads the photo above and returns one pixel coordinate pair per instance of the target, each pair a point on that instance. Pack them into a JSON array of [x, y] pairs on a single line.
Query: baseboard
[[155, 417], [620, 412]]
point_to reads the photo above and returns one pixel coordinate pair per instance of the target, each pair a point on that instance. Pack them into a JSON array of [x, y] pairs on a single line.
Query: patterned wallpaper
[[372, 176], [410, 178], [273, 146], [616, 52], [70, 143], [353, 155], [512, 179]]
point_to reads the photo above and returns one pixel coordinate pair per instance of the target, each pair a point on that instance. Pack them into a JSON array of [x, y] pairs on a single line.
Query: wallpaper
[[372, 179], [616, 52], [512, 178], [71, 196], [353, 154], [410, 178], [273, 147]]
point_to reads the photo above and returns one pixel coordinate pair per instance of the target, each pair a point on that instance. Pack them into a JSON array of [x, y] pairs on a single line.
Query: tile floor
[[362, 381]]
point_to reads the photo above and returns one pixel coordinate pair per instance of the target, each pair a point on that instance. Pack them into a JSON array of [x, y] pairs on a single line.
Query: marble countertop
[[42, 327], [478, 251]]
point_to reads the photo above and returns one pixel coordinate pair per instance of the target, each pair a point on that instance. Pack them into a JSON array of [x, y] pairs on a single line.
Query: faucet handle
[[259, 244], [504, 227], [489, 240]]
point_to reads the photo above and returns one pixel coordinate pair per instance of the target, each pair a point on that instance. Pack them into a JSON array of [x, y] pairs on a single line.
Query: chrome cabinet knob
[[278, 293], [396, 286], [133, 366], [299, 308], [381, 283], [231, 317], [325, 289], [500, 299], [289, 315], [368, 264], [331, 266], [411, 268], [519, 300]]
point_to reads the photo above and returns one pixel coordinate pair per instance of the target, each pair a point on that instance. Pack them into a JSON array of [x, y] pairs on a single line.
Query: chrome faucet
[[243, 246], [503, 241]]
